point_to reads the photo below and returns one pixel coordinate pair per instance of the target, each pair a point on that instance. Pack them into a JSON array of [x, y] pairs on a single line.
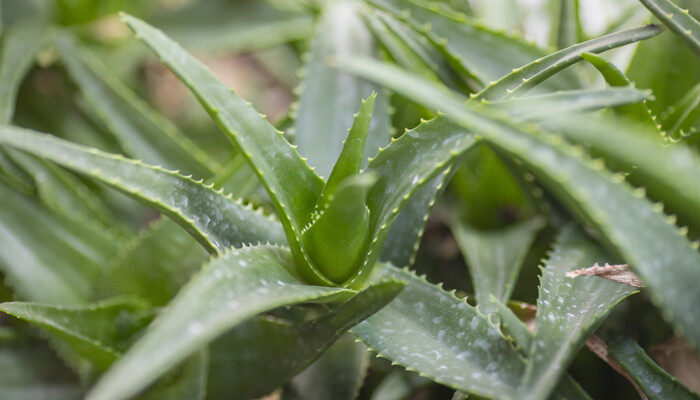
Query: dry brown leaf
[[619, 273]]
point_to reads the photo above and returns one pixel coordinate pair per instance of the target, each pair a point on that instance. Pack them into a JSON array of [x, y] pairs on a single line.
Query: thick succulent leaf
[[98, 332], [20, 44], [657, 250], [675, 70], [243, 26], [404, 236], [566, 29], [665, 171], [214, 219], [528, 76], [229, 290], [32, 371], [470, 45], [66, 194], [329, 97], [140, 130], [494, 257], [187, 382], [678, 20], [337, 374], [402, 169], [47, 257], [398, 385], [568, 311], [568, 101], [351, 156], [656, 383], [280, 349], [155, 265], [616, 78], [293, 187], [430, 331], [567, 388], [684, 116]]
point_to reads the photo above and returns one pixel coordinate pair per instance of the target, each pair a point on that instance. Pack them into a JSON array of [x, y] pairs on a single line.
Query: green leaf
[[566, 29], [293, 187], [675, 70], [568, 311], [32, 371], [682, 118], [139, 129], [398, 385], [98, 332], [677, 20], [339, 253], [65, 194], [656, 383], [211, 217], [229, 290], [665, 171], [569, 101], [567, 388], [224, 27], [495, 256], [328, 96], [402, 169], [616, 78], [154, 265], [406, 231], [351, 155], [187, 382], [20, 45], [432, 332], [47, 257], [469, 45], [524, 78], [279, 349], [656, 249], [338, 374]]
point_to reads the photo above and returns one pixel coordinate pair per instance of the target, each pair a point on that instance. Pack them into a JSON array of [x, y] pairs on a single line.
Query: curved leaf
[[432, 332], [32, 371], [568, 311], [528, 76], [329, 97], [656, 383], [656, 249], [293, 187], [280, 349], [222, 26], [469, 45], [678, 20], [139, 129], [495, 257], [47, 257], [215, 220], [665, 171], [97, 332], [338, 374], [229, 290], [20, 45], [402, 169]]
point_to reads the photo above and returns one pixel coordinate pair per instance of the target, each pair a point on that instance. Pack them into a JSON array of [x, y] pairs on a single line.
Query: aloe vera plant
[[152, 248]]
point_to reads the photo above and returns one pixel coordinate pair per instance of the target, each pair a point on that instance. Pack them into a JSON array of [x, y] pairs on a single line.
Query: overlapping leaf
[[678, 20], [432, 332], [229, 290], [215, 220], [655, 248], [568, 311], [280, 349]]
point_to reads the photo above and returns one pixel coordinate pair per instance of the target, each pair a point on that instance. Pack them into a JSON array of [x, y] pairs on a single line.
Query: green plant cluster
[[276, 257]]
